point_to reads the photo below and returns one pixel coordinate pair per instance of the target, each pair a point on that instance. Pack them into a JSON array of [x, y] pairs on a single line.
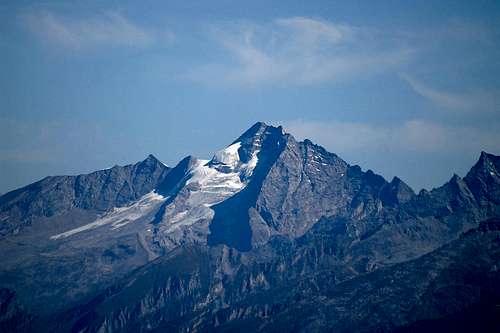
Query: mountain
[[269, 234], [97, 192]]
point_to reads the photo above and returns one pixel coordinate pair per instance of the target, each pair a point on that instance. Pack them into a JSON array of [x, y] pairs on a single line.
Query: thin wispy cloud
[[297, 50], [441, 98], [466, 101], [106, 29]]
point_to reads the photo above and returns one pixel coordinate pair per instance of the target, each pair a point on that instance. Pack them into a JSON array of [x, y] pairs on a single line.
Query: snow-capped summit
[[266, 219], [205, 183]]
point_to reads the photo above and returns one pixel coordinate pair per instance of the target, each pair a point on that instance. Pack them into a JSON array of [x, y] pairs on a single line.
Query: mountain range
[[271, 234]]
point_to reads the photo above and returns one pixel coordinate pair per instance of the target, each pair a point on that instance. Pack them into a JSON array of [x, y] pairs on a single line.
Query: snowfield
[[120, 216], [209, 182]]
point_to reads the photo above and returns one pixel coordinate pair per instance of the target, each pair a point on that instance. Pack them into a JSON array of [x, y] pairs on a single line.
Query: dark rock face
[[484, 180], [13, 318], [307, 243], [232, 222], [171, 182], [396, 193]]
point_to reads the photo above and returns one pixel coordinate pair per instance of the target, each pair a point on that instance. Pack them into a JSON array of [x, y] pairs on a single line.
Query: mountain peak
[[487, 157], [255, 130], [488, 164], [152, 162], [252, 140], [151, 159], [260, 124], [258, 129], [172, 180], [396, 192], [298, 212], [484, 178]]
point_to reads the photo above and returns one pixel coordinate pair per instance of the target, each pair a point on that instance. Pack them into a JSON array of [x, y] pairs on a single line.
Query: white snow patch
[[120, 216], [250, 166], [208, 185], [228, 156], [211, 186], [492, 173]]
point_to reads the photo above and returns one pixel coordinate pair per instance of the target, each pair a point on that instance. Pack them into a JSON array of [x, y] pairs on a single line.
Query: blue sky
[[403, 88]]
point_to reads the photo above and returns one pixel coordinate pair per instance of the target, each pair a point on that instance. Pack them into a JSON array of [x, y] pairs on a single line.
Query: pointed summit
[[457, 183], [150, 165], [485, 155], [494, 160], [396, 192], [259, 137], [173, 180], [256, 129], [151, 160], [483, 179], [488, 165], [151, 157]]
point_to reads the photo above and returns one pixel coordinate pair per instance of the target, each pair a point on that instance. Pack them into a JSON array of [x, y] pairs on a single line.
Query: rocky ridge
[[270, 230]]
